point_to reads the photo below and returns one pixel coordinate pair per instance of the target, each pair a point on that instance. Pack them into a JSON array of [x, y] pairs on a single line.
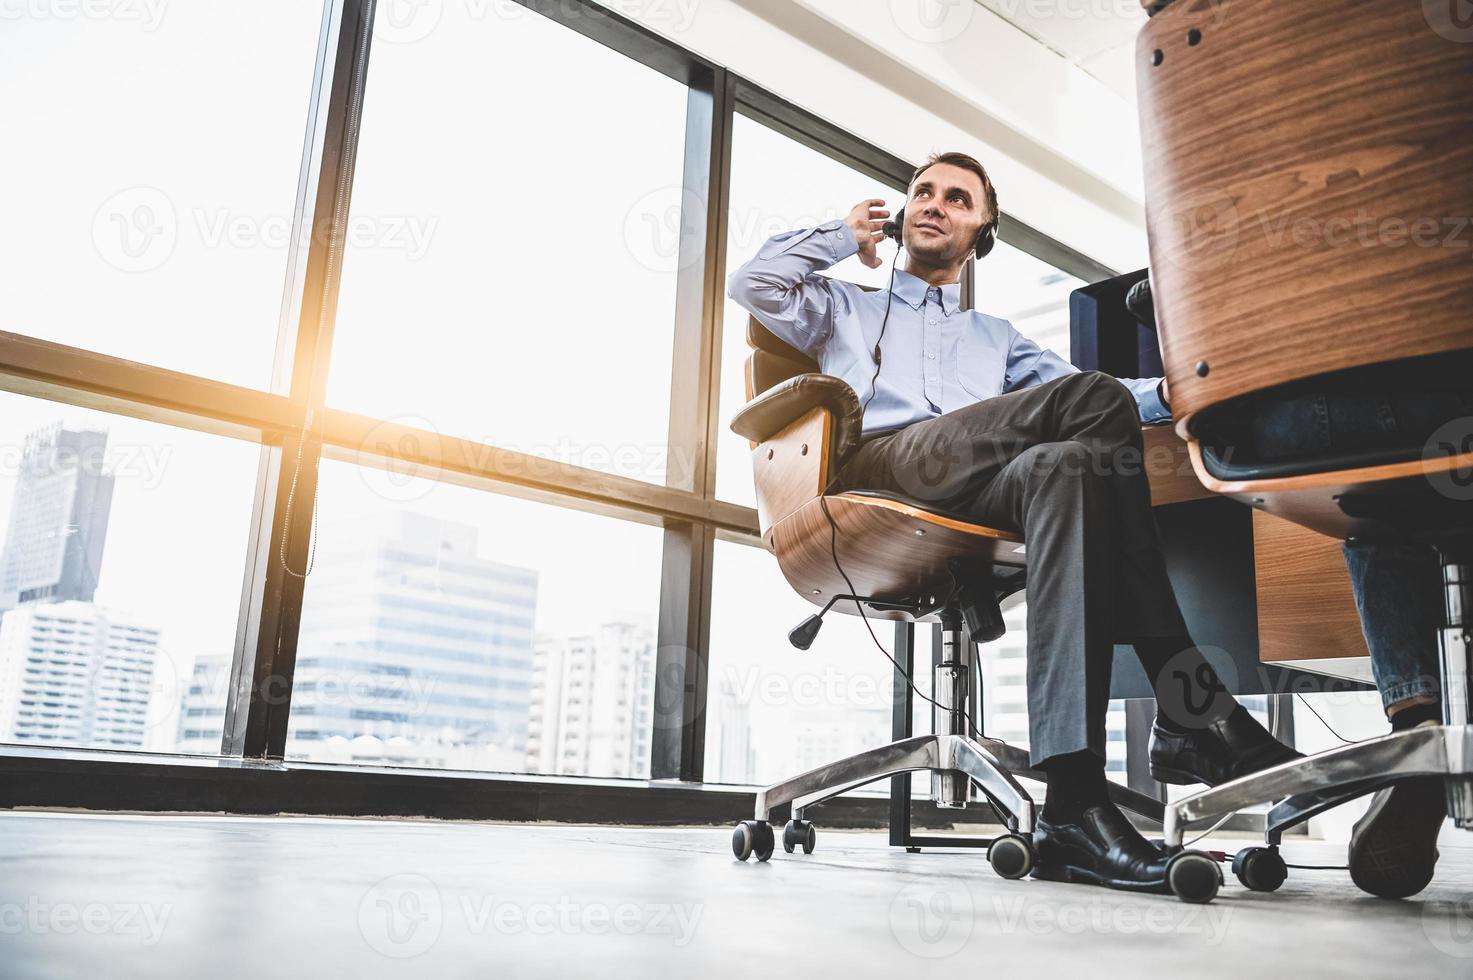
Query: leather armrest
[[778, 407]]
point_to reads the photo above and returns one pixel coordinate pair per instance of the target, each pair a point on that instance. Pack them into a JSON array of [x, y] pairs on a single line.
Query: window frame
[[295, 430]]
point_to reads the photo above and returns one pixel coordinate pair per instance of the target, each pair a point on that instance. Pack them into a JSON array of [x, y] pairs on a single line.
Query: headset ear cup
[[895, 227], [986, 240]]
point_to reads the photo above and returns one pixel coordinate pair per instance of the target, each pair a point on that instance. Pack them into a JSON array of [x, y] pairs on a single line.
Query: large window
[[1027, 292], [775, 711], [507, 216], [778, 185], [510, 277], [148, 188], [446, 627], [124, 544]]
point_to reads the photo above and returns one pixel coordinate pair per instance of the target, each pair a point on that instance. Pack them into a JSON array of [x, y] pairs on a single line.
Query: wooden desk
[[1306, 610], [1169, 467]]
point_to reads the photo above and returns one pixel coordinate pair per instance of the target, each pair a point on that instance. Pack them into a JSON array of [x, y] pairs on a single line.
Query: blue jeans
[[1398, 586]]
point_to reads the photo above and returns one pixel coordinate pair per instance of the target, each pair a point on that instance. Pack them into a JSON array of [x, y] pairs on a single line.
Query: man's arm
[[781, 287], [1029, 364]]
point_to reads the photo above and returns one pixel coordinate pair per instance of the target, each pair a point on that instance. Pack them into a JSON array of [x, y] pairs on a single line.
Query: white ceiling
[[1097, 35]]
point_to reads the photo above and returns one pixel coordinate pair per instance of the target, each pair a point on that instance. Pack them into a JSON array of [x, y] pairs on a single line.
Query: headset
[[986, 238]]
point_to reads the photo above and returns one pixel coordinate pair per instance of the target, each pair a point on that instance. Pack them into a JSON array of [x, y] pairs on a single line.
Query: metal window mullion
[[677, 748], [271, 606]]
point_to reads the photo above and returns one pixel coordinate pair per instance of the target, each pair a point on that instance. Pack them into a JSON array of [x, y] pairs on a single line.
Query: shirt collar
[[913, 289]]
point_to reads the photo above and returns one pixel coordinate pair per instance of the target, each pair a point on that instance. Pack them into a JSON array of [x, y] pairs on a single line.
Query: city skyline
[[187, 710]]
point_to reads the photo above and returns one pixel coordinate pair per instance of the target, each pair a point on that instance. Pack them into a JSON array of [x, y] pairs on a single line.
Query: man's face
[[944, 214]]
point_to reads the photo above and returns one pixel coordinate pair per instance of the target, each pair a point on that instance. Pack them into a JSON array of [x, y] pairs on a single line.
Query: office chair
[[904, 561], [1356, 108]]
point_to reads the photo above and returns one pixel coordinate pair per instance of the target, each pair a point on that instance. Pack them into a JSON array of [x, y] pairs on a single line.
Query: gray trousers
[[1061, 462]]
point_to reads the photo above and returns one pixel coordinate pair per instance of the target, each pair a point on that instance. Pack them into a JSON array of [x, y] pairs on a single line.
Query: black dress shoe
[[1223, 751], [1393, 848], [1102, 848]]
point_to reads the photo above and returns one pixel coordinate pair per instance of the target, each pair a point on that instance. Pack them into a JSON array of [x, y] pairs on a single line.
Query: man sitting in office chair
[[962, 413]]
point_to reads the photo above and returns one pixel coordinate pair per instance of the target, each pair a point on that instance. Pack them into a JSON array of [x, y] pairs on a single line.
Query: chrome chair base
[[1314, 784], [1309, 786], [988, 763]]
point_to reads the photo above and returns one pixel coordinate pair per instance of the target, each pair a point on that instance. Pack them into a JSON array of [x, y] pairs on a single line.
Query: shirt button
[[931, 357]]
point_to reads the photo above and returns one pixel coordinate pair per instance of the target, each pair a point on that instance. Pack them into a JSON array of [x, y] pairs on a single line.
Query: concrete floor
[[225, 897]]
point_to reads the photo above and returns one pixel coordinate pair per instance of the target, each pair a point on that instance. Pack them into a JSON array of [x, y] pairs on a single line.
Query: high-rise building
[[413, 650], [202, 706], [823, 735], [731, 726], [72, 673], [58, 518], [593, 700]]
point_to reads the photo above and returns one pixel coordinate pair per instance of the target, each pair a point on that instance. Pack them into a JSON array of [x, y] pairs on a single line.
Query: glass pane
[[514, 282], [120, 577], [777, 185], [775, 711], [1027, 292], [148, 195], [452, 628]]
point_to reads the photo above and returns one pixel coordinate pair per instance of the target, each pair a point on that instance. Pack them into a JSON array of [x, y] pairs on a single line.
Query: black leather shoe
[[1223, 751], [1102, 848], [1393, 848]]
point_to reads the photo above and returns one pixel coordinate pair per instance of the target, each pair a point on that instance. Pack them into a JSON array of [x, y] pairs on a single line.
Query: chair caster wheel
[[752, 837], [799, 833], [1261, 869], [1011, 855], [1194, 877]]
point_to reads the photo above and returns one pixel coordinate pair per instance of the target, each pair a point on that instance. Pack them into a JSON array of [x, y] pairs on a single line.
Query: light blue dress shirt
[[935, 357]]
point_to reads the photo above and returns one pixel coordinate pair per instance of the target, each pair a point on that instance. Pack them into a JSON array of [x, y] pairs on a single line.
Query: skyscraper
[[58, 518], [202, 705], [72, 673], [593, 702], [736, 759], [414, 650]]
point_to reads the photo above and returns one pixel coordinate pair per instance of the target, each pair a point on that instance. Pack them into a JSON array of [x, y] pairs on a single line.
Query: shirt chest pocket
[[980, 365]]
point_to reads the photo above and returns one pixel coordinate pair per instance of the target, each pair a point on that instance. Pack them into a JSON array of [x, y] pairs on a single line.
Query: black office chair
[[905, 561]]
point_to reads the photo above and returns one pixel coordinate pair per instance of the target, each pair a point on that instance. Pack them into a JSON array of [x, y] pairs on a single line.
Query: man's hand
[[867, 221]]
